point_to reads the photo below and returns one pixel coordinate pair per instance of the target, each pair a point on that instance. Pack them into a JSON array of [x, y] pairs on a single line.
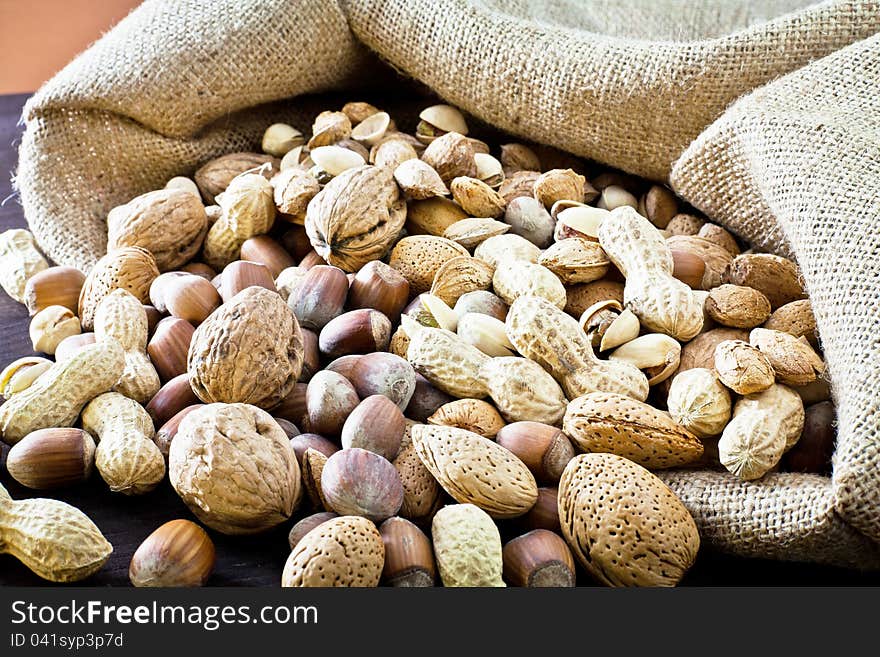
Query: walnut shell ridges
[[249, 350]]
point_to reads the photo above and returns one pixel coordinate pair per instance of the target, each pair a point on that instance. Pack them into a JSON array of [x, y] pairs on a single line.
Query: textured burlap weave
[[650, 87]]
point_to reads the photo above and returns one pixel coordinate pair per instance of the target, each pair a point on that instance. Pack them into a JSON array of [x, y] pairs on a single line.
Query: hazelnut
[[344, 365], [293, 406], [356, 332], [357, 482], [319, 297], [813, 451], [330, 398], [243, 274], [199, 269], [311, 259], [190, 297], [266, 251], [307, 524], [544, 449], [383, 373], [425, 400], [538, 559], [171, 398], [179, 553], [296, 242], [311, 356], [409, 556], [52, 458], [153, 318], [288, 427], [688, 267], [545, 513], [659, 205], [55, 286], [50, 326], [307, 441], [377, 425], [168, 430], [169, 346], [380, 287]]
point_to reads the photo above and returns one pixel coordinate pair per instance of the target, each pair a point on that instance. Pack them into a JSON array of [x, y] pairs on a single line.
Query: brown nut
[[311, 259], [419, 257], [266, 251], [688, 267], [311, 356], [355, 332], [380, 287], [293, 189], [344, 365], [179, 553], [814, 449], [170, 223], [169, 346], [71, 344], [190, 297], [476, 197], [167, 431], [249, 350], [153, 318], [557, 185], [538, 559], [293, 406], [52, 458], [545, 513], [242, 274], [793, 359], [481, 301], [451, 155], [307, 524], [685, 224], [214, 176], [383, 373], [776, 277], [171, 398], [288, 428], [543, 448], [796, 318], [409, 557], [582, 296], [199, 269], [721, 237], [660, 205], [55, 286], [358, 482], [425, 401], [312, 466], [474, 415], [737, 306], [330, 398], [377, 425], [306, 441], [213, 446], [319, 297]]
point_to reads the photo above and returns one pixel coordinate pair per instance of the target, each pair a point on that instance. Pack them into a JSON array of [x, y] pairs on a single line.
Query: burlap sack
[[639, 85]]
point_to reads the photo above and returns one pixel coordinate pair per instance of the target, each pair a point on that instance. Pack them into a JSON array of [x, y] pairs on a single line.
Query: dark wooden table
[[257, 560]]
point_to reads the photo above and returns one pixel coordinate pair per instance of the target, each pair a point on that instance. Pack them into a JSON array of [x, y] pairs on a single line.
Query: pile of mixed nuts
[[407, 343]]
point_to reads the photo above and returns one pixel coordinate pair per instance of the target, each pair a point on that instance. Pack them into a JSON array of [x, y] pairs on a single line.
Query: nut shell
[[341, 552], [177, 554], [538, 559], [624, 525], [356, 217], [474, 415], [130, 268], [776, 277], [475, 470], [250, 350], [419, 257], [52, 458], [737, 306], [357, 482], [234, 468], [214, 176], [467, 547]]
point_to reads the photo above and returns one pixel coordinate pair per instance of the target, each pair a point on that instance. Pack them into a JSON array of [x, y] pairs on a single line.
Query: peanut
[[57, 396], [56, 541], [126, 457], [121, 317], [764, 426], [661, 302]]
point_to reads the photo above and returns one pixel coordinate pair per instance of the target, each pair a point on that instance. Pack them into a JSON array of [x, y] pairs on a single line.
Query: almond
[[474, 415], [737, 306], [475, 470], [777, 277], [419, 257], [460, 275], [624, 525], [344, 551], [608, 422]]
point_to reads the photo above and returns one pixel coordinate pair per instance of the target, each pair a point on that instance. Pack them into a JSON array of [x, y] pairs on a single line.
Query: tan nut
[[50, 326]]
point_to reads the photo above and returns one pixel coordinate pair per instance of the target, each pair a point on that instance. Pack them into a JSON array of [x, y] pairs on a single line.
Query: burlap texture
[[633, 84]]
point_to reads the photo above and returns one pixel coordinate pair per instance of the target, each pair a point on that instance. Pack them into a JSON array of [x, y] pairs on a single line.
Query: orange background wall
[[38, 37]]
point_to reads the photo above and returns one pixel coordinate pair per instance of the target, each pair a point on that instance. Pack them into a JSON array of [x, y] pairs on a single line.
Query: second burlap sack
[[646, 87]]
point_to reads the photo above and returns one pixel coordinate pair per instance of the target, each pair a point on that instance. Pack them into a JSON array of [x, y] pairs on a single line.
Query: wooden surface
[[258, 560]]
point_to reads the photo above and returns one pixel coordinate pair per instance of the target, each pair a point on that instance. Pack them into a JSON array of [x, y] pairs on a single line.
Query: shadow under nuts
[[250, 351]]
